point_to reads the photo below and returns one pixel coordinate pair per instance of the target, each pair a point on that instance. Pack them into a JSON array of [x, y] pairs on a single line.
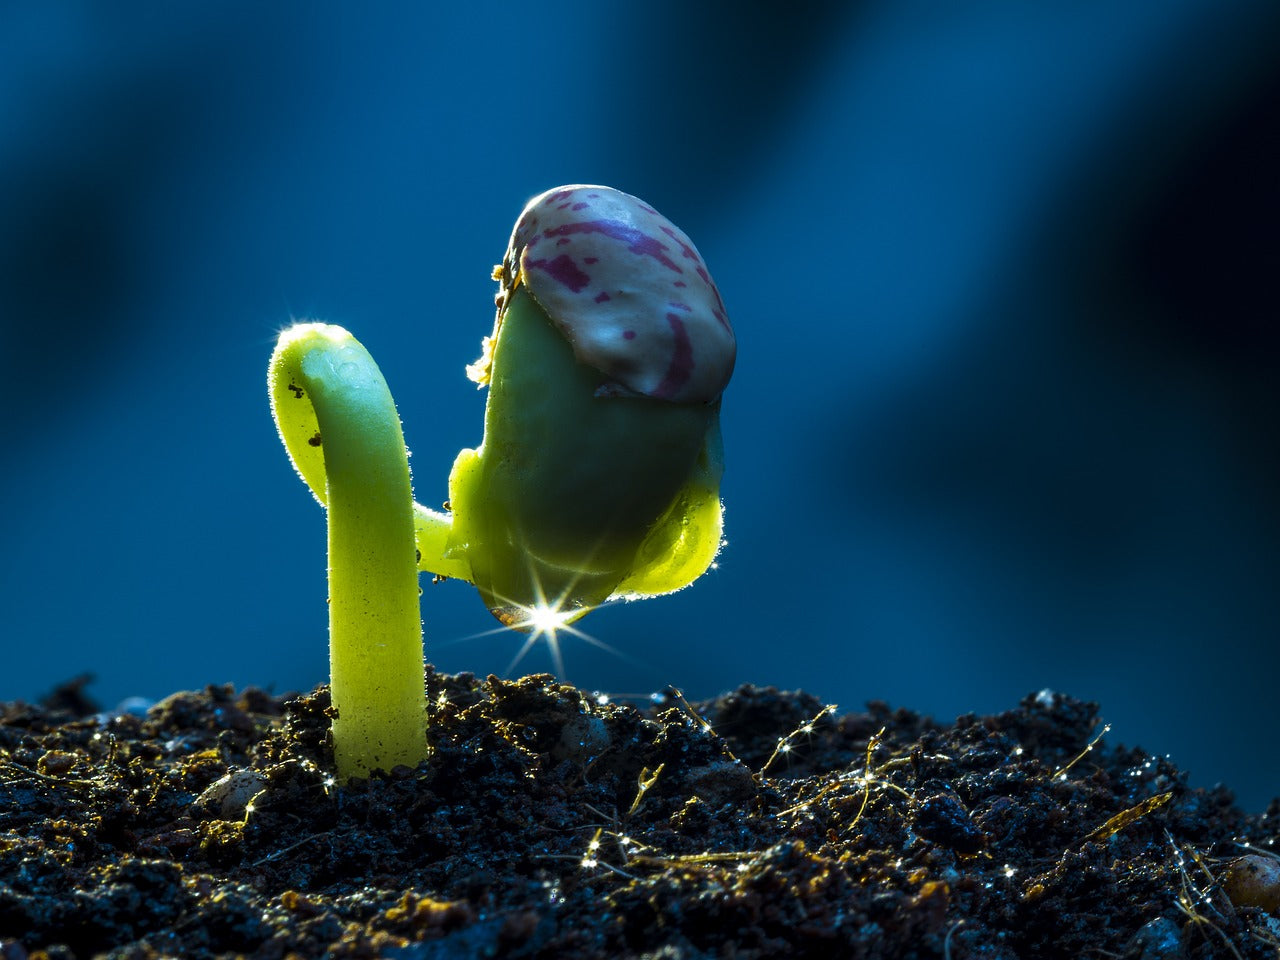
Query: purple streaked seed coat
[[627, 289]]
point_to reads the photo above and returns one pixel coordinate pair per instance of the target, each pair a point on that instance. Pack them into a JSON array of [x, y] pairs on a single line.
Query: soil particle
[[552, 823]]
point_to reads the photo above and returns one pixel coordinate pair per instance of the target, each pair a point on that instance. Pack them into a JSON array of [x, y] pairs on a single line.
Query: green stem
[[338, 422]]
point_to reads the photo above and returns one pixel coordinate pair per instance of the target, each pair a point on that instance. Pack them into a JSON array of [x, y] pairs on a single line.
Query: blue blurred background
[[1004, 280]]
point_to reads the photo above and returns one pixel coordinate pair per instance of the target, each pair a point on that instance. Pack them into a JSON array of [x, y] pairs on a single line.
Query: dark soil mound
[[550, 823]]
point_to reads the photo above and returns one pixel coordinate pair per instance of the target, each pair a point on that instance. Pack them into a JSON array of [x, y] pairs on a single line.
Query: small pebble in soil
[[1254, 881]]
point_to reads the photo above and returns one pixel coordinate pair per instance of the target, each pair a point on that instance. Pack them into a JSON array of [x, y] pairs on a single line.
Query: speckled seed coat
[[628, 290]]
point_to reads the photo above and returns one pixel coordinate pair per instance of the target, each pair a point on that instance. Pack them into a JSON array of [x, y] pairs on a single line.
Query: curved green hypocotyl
[[339, 424]]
